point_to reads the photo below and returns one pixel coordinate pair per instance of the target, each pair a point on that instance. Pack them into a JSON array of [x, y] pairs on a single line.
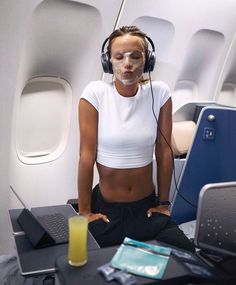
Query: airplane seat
[[210, 159], [182, 136], [184, 126]]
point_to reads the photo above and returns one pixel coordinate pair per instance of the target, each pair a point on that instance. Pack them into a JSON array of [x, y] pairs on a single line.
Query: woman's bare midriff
[[125, 185]]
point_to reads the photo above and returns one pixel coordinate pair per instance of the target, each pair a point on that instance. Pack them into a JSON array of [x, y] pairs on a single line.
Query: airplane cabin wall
[[192, 39], [63, 40], [60, 40], [14, 16], [226, 88]]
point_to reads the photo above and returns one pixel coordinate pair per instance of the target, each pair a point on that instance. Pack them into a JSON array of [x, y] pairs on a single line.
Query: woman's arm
[[163, 155], [88, 125], [163, 151]]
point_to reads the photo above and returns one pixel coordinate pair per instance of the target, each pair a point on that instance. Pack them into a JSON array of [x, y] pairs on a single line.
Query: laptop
[[42, 229]]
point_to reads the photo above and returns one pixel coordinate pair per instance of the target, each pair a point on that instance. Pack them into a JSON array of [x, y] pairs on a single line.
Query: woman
[[120, 126]]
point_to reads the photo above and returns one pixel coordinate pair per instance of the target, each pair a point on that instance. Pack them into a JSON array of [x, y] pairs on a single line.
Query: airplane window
[[43, 119]]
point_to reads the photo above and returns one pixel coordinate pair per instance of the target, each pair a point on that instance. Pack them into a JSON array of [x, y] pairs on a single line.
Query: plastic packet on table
[[141, 258]]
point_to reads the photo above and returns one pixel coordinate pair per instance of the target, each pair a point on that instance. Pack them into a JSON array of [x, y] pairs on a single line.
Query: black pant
[[130, 220]]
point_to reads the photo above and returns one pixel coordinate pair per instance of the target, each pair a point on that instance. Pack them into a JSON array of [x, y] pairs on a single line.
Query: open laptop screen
[[216, 218]]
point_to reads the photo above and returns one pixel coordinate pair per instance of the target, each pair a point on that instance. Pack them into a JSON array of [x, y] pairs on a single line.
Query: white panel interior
[[14, 15], [59, 45], [185, 91], [44, 119], [227, 94], [227, 83], [63, 39], [200, 64]]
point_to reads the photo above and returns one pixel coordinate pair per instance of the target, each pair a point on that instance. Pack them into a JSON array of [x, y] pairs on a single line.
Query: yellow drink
[[78, 229]]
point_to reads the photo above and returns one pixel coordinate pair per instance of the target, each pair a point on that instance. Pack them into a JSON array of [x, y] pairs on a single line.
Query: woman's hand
[[163, 209], [96, 216]]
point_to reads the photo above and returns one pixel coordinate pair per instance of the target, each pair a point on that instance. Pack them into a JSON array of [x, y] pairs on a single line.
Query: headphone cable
[[172, 154]]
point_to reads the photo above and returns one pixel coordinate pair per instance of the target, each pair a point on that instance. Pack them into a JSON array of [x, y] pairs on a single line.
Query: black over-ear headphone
[[149, 63]]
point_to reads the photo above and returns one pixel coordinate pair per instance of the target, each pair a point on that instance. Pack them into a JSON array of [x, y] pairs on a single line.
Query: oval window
[[43, 119]]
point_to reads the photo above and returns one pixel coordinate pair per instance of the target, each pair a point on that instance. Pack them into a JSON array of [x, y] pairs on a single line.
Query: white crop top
[[127, 128]]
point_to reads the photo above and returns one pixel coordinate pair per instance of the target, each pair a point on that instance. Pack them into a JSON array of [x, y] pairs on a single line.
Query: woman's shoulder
[[98, 85], [161, 85], [95, 92], [160, 91]]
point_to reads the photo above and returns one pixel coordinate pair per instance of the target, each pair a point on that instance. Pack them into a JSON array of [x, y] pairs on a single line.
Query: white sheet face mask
[[128, 66]]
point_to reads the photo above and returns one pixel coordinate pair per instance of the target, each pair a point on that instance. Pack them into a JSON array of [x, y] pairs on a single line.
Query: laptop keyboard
[[56, 225]]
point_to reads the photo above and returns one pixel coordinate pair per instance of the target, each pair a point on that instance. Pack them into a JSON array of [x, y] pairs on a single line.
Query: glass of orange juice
[[77, 251]]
